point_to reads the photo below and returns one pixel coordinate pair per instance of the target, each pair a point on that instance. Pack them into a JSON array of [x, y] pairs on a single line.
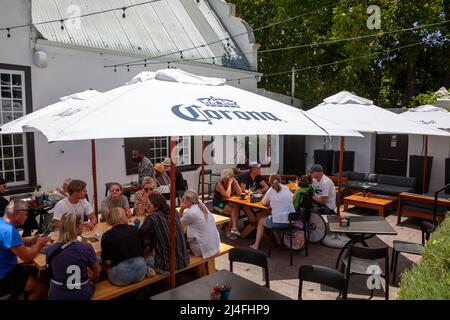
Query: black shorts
[[14, 282]]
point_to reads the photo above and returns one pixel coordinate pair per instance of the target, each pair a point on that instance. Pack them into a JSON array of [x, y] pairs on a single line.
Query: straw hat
[[159, 167]]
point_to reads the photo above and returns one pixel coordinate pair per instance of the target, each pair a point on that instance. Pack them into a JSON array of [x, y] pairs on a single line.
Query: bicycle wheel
[[317, 228]]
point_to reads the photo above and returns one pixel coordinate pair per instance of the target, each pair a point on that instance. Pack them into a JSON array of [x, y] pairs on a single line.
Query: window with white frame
[[13, 155], [160, 149]]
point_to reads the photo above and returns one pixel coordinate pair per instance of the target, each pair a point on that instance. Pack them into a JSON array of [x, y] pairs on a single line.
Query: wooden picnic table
[[102, 227], [253, 217]]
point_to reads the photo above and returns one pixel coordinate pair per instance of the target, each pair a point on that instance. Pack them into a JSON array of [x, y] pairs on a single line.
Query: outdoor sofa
[[378, 183], [421, 206]]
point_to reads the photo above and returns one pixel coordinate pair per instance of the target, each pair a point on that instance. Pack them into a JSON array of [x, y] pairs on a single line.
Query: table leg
[[345, 205], [381, 211]]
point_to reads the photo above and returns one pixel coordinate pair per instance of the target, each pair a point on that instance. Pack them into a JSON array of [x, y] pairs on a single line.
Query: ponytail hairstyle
[[193, 197], [274, 180]]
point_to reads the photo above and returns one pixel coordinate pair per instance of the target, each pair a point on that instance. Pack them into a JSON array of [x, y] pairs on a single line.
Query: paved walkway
[[284, 278]]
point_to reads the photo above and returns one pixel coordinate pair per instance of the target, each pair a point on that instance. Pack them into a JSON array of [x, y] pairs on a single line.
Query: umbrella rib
[[328, 134]]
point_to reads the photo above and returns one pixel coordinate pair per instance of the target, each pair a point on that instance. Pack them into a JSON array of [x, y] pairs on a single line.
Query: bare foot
[[253, 246]]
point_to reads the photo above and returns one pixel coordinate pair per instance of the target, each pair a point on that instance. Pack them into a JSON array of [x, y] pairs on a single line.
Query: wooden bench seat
[[105, 290]]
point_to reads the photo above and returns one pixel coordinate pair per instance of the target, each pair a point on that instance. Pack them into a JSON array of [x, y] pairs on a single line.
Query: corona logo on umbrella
[[219, 109]]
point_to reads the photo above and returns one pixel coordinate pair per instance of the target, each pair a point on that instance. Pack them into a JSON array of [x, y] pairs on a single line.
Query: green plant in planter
[[430, 279]]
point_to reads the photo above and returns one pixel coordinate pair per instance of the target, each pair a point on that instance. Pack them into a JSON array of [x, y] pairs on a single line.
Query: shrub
[[430, 279]]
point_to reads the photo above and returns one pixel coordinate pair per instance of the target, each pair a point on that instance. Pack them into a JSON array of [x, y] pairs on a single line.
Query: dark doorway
[[391, 154], [294, 155]]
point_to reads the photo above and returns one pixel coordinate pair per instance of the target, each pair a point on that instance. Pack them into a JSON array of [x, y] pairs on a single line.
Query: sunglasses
[[148, 189]]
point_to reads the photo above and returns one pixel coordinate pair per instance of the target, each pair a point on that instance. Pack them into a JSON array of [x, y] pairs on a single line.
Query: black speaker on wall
[[447, 174], [416, 171], [349, 161], [324, 158]]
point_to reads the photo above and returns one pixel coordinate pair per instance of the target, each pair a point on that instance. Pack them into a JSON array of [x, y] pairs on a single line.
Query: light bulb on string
[[62, 24], [214, 60], [123, 13], [181, 55], [9, 33], [128, 68], [115, 68], [145, 63]]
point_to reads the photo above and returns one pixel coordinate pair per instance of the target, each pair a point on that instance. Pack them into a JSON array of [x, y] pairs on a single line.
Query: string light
[[128, 68], [181, 55], [115, 68], [123, 13], [9, 33], [145, 64], [62, 24]]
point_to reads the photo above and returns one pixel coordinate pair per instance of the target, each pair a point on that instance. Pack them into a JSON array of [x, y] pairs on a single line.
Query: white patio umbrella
[[175, 103], [361, 114], [431, 116]]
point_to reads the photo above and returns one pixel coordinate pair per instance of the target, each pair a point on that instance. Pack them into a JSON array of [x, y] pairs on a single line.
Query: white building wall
[[72, 70], [439, 149], [364, 149]]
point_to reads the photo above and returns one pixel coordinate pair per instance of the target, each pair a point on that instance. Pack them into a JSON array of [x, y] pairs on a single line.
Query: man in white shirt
[[76, 203], [326, 198]]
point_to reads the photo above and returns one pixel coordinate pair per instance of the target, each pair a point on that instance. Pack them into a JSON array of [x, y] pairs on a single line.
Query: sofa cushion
[[360, 185], [397, 180], [388, 189], [358, 176]]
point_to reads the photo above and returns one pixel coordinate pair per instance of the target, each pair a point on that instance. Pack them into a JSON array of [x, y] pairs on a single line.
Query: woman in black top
[[123, 250]]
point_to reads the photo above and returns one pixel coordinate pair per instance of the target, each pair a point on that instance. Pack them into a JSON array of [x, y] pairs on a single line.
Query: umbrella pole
[[173, 143], [341, 160], [94, 175], [203, 170], [424, 177]]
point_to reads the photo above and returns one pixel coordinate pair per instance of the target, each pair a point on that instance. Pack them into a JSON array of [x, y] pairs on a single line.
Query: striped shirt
[[156, 231]]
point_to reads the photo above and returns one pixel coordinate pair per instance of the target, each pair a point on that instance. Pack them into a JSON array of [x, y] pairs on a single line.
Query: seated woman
[[156, 232], [162, 179], [141, 202], [123, 250], [115, 200], [202, 234], [73, 264], [279, 198], [225, 188]]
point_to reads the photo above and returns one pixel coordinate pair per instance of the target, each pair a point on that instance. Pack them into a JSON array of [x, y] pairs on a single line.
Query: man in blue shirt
[[14, 278]]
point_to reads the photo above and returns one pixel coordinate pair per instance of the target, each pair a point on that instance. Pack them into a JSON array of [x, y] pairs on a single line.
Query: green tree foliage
[[391, 79]]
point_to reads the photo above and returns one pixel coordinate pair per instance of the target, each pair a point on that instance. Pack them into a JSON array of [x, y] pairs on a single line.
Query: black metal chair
[[290, 230], [209, 181], [251, 256], [362, 260], [410, 247], [322, 275]]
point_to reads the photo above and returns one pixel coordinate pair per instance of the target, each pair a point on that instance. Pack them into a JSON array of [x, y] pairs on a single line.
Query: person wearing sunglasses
[[142, 203], [3, 201], [115, 200]]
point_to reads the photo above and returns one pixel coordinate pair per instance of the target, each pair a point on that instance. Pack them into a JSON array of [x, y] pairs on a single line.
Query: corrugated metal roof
[[152, 29]]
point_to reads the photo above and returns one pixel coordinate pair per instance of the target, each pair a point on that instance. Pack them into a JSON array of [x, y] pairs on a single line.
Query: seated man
[[14, 278], [245, 167], [252, 180], [76, 203], [326, 196]]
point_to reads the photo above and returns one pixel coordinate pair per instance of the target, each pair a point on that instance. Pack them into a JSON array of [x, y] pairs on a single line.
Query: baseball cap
[[166, 162], [254, 164], [316, 168]]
